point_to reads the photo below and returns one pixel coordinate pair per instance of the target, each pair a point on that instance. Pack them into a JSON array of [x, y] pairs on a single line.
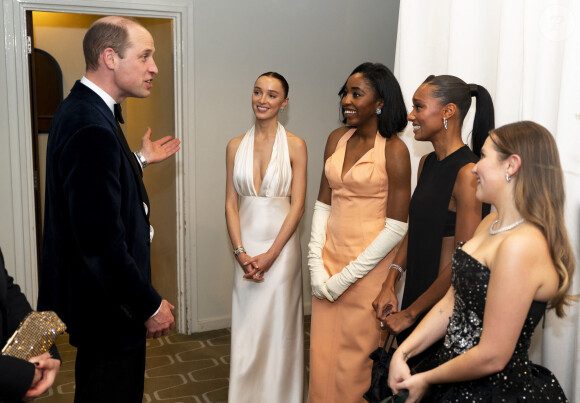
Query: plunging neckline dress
[[345, 332], [267, 353]]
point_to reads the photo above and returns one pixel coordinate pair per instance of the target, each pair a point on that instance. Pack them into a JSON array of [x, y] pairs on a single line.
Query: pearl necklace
[[506, 228]]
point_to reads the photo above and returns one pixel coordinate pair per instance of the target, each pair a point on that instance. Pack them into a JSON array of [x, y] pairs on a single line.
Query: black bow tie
[[118, 113]]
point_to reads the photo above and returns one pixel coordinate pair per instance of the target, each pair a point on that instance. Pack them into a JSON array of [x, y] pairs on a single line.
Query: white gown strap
[[243, 174], [277, 180]]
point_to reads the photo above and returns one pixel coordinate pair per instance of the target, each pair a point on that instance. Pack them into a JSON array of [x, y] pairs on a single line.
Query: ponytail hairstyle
[[393, 118], [451, 89], [539, 195], [280, 78]]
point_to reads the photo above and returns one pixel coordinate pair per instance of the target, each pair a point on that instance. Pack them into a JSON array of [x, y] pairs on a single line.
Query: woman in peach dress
[[359, 218]]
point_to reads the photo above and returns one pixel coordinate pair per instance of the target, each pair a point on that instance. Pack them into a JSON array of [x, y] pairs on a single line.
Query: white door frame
[[20, 136]]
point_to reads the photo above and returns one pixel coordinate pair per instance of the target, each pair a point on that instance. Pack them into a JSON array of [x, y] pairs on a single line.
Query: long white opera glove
[[318, 275], [387, 239]]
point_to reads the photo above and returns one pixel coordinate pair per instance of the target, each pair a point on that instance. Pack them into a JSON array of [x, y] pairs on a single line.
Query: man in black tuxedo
[[96, 271], [20, 379]]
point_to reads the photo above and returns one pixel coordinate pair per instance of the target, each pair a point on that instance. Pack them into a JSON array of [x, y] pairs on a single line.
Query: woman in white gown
[[265, 190]]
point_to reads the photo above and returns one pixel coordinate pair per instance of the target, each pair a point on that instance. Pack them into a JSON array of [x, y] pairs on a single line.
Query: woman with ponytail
[[444, 210], [518, 263]]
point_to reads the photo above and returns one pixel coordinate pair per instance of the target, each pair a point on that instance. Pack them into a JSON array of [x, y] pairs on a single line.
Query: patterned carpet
[[180, 368]]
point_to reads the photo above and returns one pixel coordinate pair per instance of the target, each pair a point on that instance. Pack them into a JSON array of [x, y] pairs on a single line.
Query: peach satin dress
[[345, 332]]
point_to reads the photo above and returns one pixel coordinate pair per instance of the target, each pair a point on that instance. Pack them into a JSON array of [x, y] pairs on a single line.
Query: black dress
[[16, 375], [520, 380], [428, 213]]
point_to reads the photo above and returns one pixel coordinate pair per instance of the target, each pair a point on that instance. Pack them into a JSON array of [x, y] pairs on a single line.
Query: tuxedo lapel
[[87, 95], [134, 165]]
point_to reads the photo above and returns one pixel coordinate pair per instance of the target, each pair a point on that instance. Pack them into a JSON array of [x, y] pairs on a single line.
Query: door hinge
[[29, 45]]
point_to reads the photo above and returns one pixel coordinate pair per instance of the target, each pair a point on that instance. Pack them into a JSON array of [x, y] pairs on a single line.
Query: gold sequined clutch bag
[[35, 335]]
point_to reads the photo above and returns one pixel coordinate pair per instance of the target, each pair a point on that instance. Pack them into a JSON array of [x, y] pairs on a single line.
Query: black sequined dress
[[521, 380]]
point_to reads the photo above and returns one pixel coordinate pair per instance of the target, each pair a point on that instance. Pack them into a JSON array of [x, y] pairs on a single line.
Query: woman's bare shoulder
[[295, 144], [335, 136], [234, 143], [397, 147], [294, 139]]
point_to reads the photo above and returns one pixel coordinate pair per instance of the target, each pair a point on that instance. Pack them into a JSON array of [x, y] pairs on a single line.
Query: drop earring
[[379, 111], [445, 123]]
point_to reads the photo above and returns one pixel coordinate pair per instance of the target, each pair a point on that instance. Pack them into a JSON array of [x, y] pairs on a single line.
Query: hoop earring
[[508, 178], [379, 111], [445, 123]]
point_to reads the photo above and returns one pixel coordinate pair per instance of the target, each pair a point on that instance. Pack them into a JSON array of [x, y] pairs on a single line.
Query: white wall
[[315, 45]]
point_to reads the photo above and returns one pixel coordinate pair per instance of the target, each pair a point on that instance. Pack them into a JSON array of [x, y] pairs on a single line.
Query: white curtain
[[527, 54]]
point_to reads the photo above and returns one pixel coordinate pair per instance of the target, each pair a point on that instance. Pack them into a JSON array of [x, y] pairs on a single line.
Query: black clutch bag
[[379, 389], [35, 335]]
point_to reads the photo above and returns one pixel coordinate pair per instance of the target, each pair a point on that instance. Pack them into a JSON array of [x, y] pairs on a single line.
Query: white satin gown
[[267, 356]]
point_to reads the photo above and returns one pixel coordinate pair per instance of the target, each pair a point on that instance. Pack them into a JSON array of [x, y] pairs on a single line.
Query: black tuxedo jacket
[[95, 270], [15, 375]]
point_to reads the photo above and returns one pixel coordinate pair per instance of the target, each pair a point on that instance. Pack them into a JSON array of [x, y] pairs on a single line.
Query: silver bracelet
[[141, 158], [399, 269], [238, 250]]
